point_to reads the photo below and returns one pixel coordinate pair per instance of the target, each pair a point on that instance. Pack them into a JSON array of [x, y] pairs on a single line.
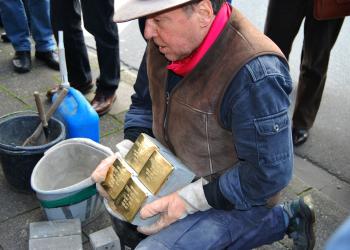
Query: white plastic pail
[[61, 179]]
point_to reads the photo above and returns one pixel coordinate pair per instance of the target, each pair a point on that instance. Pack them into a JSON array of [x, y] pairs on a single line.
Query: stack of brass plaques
[[143, 161]]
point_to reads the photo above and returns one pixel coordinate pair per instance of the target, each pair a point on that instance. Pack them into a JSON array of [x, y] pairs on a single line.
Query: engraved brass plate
[[140, 153], [129, 200], [116, 179], [155, 172]]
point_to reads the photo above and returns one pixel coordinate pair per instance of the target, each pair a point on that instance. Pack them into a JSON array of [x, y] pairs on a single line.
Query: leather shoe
[[83, 88], [103, 102], [50, 58], [5, 38], [299, 136], [22, 62]]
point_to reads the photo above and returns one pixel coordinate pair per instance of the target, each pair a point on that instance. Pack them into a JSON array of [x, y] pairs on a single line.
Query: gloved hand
[[175, 206], [124, 146], [99, 174]]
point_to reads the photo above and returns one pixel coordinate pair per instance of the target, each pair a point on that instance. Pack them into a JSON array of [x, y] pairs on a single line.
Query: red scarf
[[186, 65]]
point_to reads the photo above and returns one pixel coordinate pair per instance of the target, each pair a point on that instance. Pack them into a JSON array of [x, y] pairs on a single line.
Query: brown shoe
[[83, 88], [102, 103]]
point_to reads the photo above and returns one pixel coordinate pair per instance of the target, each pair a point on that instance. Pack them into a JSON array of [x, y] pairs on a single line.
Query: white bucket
[[61, 179]]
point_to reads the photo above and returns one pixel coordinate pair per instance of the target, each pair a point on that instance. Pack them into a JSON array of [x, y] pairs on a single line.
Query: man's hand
[[175, 206], [172, 208], [99, 174]]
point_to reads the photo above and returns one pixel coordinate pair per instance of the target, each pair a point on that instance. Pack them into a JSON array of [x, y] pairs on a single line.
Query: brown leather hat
[[125, 10]]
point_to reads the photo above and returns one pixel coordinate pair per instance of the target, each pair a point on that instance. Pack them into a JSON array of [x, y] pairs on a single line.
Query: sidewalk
[[18, 210]]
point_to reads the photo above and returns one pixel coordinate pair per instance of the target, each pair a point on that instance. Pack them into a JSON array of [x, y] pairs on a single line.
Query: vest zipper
[[165, 124]]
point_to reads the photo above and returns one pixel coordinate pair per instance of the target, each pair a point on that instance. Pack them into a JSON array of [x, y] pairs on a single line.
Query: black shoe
[[302, 220], [50, 58], [5, 38], [299, 136], [22, 62]]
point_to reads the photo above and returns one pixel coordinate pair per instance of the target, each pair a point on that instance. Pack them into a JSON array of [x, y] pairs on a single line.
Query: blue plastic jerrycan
[[80, 119]]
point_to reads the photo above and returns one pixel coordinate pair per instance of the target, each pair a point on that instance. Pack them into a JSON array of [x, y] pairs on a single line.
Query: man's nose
[[150, 31]]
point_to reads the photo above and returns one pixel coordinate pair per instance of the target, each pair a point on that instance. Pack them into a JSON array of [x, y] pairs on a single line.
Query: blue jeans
[[217, 229], [15, 21], [340, 239]]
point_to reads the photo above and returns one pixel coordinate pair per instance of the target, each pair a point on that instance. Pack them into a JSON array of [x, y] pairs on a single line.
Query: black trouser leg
[[283, 21], [319, 39], [98, 20], [66, 16]]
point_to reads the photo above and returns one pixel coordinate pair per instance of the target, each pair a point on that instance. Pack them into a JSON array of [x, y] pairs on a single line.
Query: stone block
[[105, 239]]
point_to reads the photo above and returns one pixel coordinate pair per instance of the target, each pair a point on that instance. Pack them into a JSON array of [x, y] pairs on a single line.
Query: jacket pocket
[[273, 138]]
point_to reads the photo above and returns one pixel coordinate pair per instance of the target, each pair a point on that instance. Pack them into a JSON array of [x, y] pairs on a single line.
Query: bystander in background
[[283, 21], [15, 21], [97, 15]]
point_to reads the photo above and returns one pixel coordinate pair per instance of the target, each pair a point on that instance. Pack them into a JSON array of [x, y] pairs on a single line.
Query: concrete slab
[[19, 202], [54, 228], [71, 242], [105, 239]]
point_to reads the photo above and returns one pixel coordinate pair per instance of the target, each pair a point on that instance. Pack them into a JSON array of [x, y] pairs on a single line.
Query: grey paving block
[[101, 222], [105, 239], [54, 228], [72, 242], [14, 232], [10, 104], [12, 202]]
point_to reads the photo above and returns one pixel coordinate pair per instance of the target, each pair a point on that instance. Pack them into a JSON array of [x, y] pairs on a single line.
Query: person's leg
[[16, 26], [283, 21], [98, 20], [15, 23], [40, 25], [319, 38], [215, 229], [66, 16]]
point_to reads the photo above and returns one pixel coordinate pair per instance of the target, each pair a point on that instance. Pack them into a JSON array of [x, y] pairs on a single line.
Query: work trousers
[[98, 20], [217, 229], [283, 21]]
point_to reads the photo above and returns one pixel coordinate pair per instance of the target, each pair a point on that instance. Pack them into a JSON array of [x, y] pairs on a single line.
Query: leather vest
[[187, 121]]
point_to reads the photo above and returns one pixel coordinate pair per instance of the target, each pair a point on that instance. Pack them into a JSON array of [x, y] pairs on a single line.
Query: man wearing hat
[[215, 91]]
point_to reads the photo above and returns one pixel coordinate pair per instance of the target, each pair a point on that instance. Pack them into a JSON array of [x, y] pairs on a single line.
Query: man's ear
[[206, 13]]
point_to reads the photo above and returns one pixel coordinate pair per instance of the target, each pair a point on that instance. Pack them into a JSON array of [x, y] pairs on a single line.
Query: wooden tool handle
[[35, 135]]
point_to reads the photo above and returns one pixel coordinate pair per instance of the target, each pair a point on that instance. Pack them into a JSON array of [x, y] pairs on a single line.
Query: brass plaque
[[116, 179], [129, 200], [155, 172], [140, 153]]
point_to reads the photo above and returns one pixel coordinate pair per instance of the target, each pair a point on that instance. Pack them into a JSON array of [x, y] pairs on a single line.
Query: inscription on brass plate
[[129, 200], [155, 172], [116, 179], [140, 153]]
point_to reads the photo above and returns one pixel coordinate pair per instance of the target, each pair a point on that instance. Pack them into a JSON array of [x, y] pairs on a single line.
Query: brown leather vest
[[188, 120]]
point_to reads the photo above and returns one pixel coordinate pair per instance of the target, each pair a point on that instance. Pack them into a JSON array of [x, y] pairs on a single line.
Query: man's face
[[176, 32]]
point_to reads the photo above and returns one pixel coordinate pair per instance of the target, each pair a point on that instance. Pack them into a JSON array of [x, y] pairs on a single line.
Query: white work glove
[[175, 206], [124, 146], [100, 173]]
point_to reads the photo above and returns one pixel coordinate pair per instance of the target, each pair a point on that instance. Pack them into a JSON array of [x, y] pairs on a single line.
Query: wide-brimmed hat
[[125, 10]]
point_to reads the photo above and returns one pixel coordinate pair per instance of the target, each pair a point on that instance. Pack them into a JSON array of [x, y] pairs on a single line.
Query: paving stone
[[105, 239], [54, 228], [72, 242]]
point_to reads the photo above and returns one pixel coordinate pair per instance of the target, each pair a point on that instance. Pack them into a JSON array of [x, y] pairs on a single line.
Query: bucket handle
[[72, 199]]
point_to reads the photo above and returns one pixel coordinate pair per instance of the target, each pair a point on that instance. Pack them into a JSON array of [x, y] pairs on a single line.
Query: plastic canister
[[80, 119]]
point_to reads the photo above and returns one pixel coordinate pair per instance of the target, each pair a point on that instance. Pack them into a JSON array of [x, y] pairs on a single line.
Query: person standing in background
[[15, 21], [66, 16], [283, 21]]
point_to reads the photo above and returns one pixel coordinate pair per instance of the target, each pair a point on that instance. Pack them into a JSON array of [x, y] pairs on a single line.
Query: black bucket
[[18, 161]]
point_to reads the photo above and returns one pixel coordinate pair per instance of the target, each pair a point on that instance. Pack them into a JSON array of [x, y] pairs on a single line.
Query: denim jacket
[[256, 112]]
